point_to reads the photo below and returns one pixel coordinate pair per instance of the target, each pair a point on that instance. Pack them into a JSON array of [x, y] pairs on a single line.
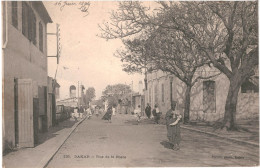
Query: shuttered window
[[162, 92], [156, 94], [14, 14], [150, 95], [28, 23], [33, 30], [25, 16], [40, 36]]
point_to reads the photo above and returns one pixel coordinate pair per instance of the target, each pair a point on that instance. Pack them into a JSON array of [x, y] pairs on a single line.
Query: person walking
[[97, 111], [114, 110], [138, 113], [81, 110], [89, 113], [173, 119], [148, 110], [108, 115], [156, 114]]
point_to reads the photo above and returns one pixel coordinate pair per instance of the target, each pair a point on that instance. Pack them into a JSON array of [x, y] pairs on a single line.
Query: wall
[[154, 80], [49, 101], [72, 102], [247, 102], [21, 59]]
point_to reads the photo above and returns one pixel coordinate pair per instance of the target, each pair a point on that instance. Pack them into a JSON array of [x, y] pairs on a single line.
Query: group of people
[[108, 115], [156, 112], [172, 118], [96, 111], [78, 112]]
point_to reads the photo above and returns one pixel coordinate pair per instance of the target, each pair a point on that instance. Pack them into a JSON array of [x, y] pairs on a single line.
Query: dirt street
[[97, 143]]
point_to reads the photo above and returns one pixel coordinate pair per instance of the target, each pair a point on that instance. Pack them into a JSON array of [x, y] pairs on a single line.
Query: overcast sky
[[85, 57]]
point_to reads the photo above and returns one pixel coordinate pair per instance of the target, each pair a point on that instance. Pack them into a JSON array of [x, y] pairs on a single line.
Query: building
[[72, 91], [138, 98], [25, 73], [53, 95], [71, 102], [208, 97], [57, 90]]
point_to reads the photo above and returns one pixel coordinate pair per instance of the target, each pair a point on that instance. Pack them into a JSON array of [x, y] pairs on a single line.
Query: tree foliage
[[90, 95], [115, 92], [180, 36]]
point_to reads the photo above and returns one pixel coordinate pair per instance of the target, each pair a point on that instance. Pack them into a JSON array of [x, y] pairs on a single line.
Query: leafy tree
[[90, 95], [115, 92]]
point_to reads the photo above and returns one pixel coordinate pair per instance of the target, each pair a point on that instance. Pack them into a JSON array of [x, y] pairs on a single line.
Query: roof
[[39, 6]]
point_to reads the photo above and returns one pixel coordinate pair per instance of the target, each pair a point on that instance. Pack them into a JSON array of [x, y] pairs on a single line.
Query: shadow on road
[[52, 132], [166, 144], [142, 122]]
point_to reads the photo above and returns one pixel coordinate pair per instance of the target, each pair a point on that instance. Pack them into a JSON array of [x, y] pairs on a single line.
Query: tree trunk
[[187, 104], [229, 121]]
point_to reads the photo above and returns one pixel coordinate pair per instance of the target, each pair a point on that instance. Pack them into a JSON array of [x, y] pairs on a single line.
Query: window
[[33, 28], [40, 36], [156, 94], [162, 92], [209, 97], [25, 16], [150, 95], [14, 14], [29, 23]]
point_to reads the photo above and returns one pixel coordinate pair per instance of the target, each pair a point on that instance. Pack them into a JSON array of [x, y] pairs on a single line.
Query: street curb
[[44, 162], [220, 136]]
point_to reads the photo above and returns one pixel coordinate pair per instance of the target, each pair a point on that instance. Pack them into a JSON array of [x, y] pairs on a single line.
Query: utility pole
[[78, 93], [132, 94]]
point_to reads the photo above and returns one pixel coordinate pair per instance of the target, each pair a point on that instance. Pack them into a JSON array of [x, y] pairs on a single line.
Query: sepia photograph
[[130, 84]]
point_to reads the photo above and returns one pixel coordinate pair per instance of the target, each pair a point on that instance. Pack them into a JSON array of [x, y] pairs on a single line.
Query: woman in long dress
[[138, 113], [108, 115], [156, 114], [173, 127], [148, 110]]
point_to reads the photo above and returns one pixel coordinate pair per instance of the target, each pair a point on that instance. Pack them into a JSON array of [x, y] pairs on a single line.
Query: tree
[[115, 92], [90, 95], [160, 49], [132, 56], [227, 32], [168, 51]]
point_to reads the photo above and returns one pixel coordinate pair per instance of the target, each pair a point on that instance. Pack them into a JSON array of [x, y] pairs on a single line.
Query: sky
[[85, 57]]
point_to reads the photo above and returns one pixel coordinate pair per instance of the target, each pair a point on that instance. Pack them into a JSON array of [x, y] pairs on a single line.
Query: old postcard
[[130, 84]]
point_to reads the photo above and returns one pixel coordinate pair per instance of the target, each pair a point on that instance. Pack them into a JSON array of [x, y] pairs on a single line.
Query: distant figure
[[75, 114], [89, 113], [119, 106], [113, 110], [173, 126], [108, 115], [97, 111], [148, 110], [127, 108], [100, 110], [81, 110], [156, 114], [138, 113]]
